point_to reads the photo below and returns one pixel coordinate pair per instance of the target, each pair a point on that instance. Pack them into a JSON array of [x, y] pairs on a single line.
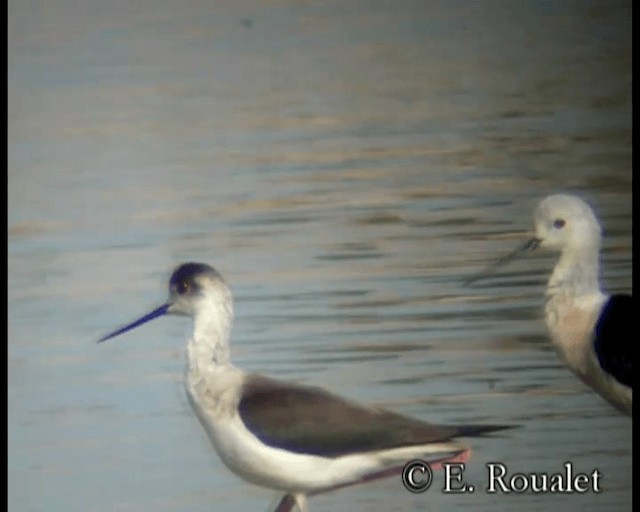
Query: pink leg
[[286, 504], [462, 456]]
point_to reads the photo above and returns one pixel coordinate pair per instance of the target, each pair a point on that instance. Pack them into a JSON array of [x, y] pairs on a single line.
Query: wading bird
[[299, 440], [592, 332]]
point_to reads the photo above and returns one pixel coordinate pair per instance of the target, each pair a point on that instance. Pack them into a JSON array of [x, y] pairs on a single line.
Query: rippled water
[[345, 166]]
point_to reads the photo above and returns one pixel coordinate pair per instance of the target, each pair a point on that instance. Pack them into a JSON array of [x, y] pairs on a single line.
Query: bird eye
[[183, 287], [559, 223]]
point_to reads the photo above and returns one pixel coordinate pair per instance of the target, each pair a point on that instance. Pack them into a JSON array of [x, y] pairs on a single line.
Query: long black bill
[[162, 310], [530, 245]]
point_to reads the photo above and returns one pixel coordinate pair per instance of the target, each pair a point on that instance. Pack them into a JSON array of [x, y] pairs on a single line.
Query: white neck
[[575, 274], [211, 330], [573, 303]]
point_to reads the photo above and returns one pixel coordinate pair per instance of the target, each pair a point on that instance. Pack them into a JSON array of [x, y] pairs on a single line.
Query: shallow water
[[345, 166]]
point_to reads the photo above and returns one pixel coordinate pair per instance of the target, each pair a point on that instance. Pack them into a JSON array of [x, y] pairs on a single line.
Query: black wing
[[614, 338], [310, 420]]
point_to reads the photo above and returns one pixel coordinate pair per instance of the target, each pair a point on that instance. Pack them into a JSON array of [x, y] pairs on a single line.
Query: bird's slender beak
[[530, 245], [162, 310]]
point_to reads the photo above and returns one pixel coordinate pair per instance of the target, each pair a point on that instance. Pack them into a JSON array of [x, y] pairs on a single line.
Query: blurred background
[[346, 166]]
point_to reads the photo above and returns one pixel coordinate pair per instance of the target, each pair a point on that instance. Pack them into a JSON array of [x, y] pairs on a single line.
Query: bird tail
[[480, 430]]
